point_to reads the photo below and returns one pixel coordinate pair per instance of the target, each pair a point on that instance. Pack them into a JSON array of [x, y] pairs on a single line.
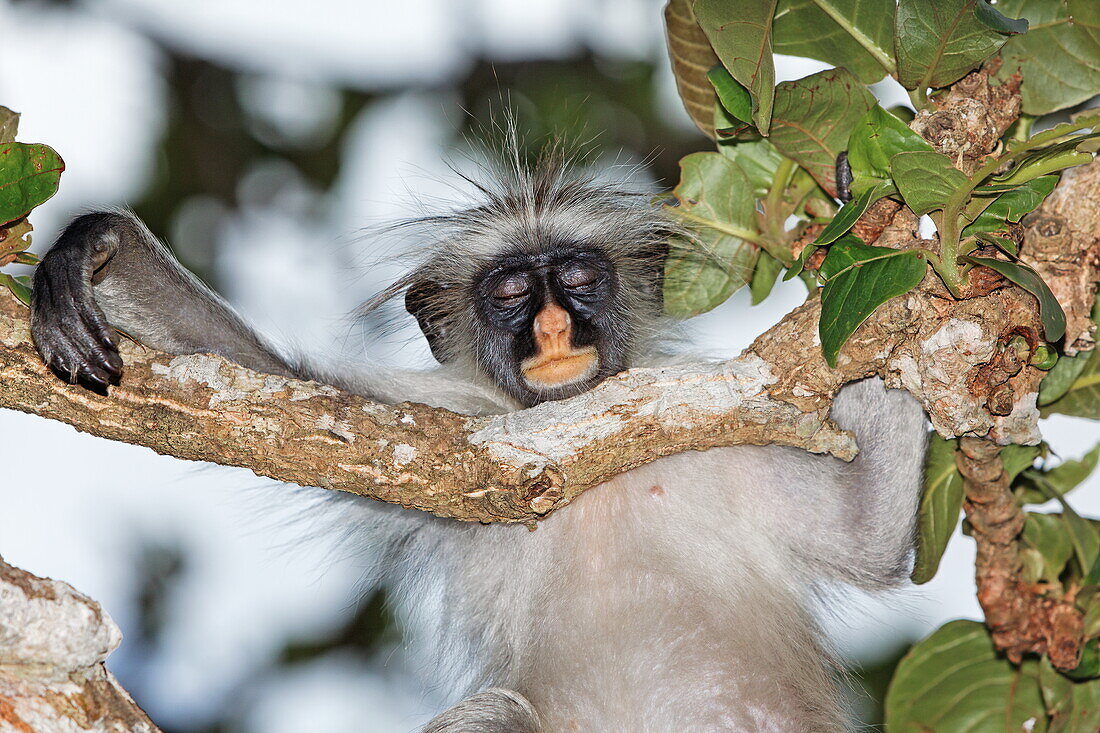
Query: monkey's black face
[[550, 324]]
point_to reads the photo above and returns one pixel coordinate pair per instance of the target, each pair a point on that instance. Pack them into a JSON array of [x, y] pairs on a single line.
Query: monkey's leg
[[106, 269], [495, 710]]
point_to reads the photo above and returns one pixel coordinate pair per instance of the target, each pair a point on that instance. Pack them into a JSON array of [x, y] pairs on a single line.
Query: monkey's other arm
[[107, 270]]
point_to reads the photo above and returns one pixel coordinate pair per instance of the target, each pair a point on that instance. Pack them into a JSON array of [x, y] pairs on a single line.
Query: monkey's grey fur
[[677, 597]]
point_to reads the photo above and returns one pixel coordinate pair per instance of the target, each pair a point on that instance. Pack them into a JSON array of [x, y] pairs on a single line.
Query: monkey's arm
[[855, 521], [106, 269]]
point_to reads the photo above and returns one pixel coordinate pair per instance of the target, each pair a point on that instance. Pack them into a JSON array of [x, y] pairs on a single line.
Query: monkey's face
[[550, 325]]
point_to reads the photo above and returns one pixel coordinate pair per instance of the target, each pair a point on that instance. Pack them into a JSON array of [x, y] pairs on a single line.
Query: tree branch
[[52, 676]]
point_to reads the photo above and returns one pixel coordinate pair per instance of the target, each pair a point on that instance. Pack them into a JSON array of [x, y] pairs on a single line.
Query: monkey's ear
[[423, 300]]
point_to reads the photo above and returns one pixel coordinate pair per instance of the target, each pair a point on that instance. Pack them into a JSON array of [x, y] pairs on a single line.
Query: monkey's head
[[548, 287]]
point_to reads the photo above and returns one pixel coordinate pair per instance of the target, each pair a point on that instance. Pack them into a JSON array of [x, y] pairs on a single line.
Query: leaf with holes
[[855, 34], [1050, 311], [940, 42], [955, 680], [29, 175], [715, 201], [741, 35], [813, 118], [926, 179], [860, 278], [940, 505]]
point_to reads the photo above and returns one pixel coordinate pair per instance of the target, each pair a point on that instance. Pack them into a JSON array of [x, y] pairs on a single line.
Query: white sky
[[75, 507]]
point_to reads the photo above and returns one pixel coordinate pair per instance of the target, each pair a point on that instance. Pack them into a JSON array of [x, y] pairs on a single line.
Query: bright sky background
[[75, 507]]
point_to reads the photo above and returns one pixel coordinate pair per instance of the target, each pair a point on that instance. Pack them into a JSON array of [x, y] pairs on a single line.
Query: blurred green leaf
[[758, 159], [1011, 206], [716, 202], [940, 42], [20, 286], [940, 505], [1046, 534], [855, 34], [874, 141], [741, 35], [956, 681], [764, 276], [1059, 57], [29, 175], [860, 278], [1074, 707], [1050, 311], [926, 179], [813, 117]]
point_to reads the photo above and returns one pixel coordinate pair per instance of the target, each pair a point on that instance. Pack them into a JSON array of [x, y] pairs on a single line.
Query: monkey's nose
[[552, 320]]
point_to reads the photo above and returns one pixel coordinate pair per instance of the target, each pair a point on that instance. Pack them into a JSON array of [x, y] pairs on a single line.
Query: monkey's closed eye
[[512, 288], [578, 276]]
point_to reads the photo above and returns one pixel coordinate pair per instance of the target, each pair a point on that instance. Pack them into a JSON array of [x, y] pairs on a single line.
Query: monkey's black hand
[[69, 328]]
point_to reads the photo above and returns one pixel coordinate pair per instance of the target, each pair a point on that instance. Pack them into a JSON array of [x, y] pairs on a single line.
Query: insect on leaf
[[813, 117]]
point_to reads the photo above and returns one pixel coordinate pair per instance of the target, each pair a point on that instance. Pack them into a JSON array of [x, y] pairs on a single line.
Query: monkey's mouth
[[544, 371]]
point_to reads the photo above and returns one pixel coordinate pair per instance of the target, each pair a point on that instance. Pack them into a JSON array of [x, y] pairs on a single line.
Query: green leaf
[[763, 278], [29, 175], [939, 506], [1011, 205], [874, 141], [1046, 535], [859, 279], [1068, 475], [1017, 458], [734, 98], [813, 117], [716, 202], [940, 42], [849, 214], [956, 681], [19, 286], [1059, 57], [1050, 312], [855, 34], [1004, 244], [926, 179], [1061, 378], [1074, 707], [741, 35], [758, 159]]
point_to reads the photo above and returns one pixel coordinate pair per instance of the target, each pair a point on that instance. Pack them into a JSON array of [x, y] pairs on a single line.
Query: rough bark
[[53, 643], [1021, 619]]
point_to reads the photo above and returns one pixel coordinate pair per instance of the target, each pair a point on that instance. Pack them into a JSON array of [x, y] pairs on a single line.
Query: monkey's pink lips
[[557, 370]]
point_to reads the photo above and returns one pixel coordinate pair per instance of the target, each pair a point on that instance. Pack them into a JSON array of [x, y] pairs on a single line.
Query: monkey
[[681, 595]]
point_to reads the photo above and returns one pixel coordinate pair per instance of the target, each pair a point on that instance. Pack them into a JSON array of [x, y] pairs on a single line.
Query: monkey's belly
[[648, 610]]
